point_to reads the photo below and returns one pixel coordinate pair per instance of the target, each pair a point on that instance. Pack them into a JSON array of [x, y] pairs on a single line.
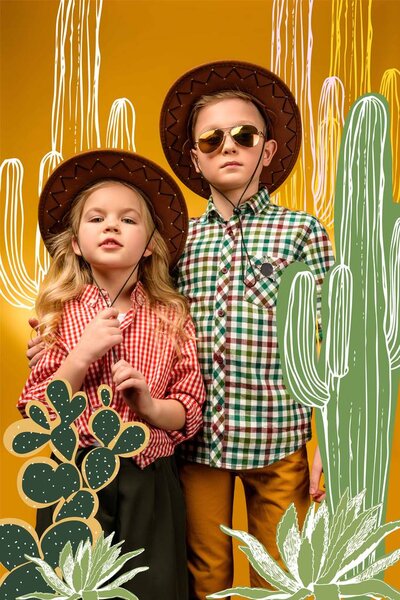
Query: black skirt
[[144, 507]]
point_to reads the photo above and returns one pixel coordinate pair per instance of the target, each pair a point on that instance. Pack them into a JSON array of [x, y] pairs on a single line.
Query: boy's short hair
[[208, 99], [266, 91]]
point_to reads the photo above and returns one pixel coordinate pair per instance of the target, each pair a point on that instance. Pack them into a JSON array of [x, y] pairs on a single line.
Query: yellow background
[[145, 45]]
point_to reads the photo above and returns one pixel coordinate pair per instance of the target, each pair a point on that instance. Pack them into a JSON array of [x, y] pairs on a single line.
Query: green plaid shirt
[[249, 418]]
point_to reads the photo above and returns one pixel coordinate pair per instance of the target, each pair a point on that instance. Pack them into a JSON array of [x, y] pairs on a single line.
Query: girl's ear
[[148, 252], [195, 160], [75, 246], [270, 148]]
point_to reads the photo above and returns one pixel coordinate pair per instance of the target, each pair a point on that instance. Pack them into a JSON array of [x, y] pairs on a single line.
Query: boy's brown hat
[[164, 198], [267, 89]]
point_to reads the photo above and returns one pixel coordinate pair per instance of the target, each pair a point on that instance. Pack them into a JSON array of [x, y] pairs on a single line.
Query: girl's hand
[[99, 336], [168, 414], [133, 387]]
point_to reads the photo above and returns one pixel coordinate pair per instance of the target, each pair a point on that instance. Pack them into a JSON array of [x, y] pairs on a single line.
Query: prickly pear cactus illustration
[[44, 482], [18, 539], [118, 439], [354, 382], [30, 435]]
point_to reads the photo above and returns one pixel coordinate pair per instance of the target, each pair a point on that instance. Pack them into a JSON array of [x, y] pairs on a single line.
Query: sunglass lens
[[210, 140], [246, 135]]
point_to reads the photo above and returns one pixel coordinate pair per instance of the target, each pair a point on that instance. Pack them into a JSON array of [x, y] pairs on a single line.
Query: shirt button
[[221, 312], [219, 407], [224, 270], [219, 359]]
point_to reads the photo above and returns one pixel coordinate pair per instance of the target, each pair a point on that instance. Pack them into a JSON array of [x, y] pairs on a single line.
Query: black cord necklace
[[106, 302], [237, 212]]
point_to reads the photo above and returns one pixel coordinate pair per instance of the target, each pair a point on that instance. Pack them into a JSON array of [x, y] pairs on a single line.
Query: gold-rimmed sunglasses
[[244, 135]]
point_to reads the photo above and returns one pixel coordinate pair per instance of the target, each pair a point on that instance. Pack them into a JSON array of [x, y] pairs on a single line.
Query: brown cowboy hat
[[165, 199], [270, 93]]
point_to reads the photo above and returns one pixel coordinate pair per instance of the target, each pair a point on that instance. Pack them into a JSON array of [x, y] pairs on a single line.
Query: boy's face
[[230, 166]]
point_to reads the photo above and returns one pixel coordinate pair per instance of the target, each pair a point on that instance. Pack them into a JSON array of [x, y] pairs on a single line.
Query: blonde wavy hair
[[69, 273]]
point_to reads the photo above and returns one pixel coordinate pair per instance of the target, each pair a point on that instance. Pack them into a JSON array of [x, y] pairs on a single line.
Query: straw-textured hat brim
[[166, 200], [266, 87]]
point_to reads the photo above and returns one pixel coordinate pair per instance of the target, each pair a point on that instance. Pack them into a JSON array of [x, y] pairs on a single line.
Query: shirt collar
[[92, 296], [255, 205]]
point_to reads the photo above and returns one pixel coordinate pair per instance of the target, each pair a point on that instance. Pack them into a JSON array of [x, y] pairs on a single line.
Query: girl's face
[[112, 234]]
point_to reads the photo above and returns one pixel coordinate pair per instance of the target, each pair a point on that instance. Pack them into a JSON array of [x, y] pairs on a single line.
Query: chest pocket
[[262, 281]]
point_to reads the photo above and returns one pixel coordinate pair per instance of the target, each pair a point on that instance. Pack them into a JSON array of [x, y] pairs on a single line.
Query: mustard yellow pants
[[209, 503]]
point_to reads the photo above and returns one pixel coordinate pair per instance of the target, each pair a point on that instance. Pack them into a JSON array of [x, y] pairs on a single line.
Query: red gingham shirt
[[168, 375]]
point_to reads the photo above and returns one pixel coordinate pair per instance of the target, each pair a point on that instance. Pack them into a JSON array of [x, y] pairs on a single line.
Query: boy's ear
[[270, 148], [75, 246], [195, 160]]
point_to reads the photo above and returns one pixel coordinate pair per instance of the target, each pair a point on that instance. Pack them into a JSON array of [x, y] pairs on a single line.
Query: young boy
[[234, 129]]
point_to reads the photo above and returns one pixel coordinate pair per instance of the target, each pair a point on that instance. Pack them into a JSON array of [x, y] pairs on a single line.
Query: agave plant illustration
[[84, 575], [320, 559]]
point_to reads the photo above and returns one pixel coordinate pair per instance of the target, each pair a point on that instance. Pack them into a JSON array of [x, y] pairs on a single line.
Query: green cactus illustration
[[22, 579], [86, 573], [43, 482], [28, 436], [353, 383], [17, 539], [130, 441], [98, 467], [106, 426], [321, 558], [82, 504], [117, 439], [24, 541]]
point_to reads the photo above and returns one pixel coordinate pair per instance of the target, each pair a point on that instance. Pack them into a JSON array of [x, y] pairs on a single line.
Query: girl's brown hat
[[271, 95], [164, 198]]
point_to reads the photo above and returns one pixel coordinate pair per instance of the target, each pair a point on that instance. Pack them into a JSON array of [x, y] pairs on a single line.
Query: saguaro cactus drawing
[[352, 384], [354, 381]]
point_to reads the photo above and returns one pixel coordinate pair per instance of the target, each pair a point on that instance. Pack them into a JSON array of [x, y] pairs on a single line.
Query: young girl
[[114, 223]]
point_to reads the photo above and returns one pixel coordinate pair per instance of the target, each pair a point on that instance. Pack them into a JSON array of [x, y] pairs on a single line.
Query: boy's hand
[[133, 387], [35, 346], [100, 335], [315, 478]]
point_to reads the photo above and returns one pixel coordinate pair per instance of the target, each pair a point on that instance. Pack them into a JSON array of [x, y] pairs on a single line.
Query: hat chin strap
[[127, 279], [235, 206], [236, 210]]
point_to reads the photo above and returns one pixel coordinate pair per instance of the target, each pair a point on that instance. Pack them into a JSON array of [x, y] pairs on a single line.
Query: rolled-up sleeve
[[41, 375], [186, 385]]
